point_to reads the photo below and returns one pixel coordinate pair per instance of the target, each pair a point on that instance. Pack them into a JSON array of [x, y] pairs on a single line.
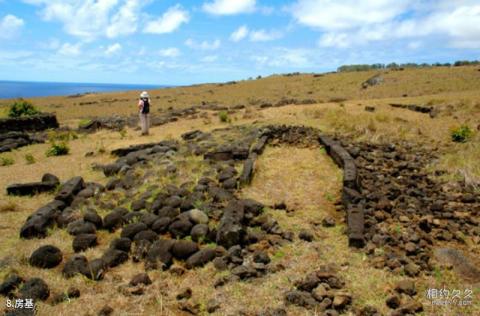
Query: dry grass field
[[306, 179]]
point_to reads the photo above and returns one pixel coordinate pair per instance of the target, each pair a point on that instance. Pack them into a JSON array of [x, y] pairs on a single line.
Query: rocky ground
[[177, 205], [302, 194]]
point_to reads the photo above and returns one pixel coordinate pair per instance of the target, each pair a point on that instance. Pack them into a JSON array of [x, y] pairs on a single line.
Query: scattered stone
[[36, 289], [407, 287], [131, 230], [199, 232], [114, 257], [197, 217], [182, 249], [261, 257], [123, 244], [10, 284], [84, 241], [112, 221], [93, 218], [141, 278], [328, 222], [230, 229], [46, 257], [212, 306], [159, 254], [393, 301], [306, 235], [200, 258], [81, 227], [69, 189], [341, 300], [300, 298], [411, 269], [105, 311], [184, 294]]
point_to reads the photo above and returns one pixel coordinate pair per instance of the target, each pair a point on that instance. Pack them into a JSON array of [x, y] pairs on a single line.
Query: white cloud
[[209, 59], [169, 21], [352, 23], [239, 33], [341, 40], [91, 19], [204, 45], [347, 14], [254, 35], [68, 49], [284, 57], [113, 49], [229, 7], [124, 22], [263, 36], [169, 52], [10, 25]]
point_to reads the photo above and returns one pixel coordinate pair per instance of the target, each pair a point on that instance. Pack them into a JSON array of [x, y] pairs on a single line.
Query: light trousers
[[144, 122]]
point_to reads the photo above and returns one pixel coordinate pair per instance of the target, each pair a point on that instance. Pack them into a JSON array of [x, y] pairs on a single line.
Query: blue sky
[[186, 42]]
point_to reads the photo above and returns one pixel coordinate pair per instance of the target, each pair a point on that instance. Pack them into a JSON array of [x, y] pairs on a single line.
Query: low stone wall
[[413, 107], [29, 123], [351, 196], [13, 140]]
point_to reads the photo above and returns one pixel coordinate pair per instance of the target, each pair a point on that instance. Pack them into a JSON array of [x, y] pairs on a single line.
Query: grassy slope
[[458, 87], [412, 82]]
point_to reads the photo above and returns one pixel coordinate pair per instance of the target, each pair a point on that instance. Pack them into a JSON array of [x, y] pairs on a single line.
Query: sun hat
[[144, 94]]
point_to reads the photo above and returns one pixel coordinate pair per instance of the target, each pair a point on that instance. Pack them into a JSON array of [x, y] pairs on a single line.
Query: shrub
[[6, 161], [223, 116], [461, 134], [58, 149], [63, 136], [84, 123], [29, 159], [22, 107], [123, 133]]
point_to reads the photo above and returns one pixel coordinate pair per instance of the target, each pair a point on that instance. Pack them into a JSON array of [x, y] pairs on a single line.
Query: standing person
[[144, 110]]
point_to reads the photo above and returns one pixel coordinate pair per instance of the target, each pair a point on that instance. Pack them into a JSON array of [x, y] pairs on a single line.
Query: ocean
[[24, 89]]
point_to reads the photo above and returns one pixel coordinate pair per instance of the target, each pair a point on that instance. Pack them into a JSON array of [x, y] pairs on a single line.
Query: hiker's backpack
[[146, 106]]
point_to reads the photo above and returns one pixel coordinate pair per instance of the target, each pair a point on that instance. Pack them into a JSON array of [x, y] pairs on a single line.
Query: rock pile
[[322, 290]]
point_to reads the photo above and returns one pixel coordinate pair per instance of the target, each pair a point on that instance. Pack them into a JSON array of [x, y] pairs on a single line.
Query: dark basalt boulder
[[159, 254], [160, 226], [94, 218], [113, 257], [49, 183], [81, 227], [69, 190], [231, 230], [200, 258], [74, 265], [84, 241], [46, 257], [180, 228], [10, 284], [199, 232], [78, 264], [113, 220], [131, 230], [145, 235], [37, 224], [141, 278], [182, 249], [36, 289], [123, 244]]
